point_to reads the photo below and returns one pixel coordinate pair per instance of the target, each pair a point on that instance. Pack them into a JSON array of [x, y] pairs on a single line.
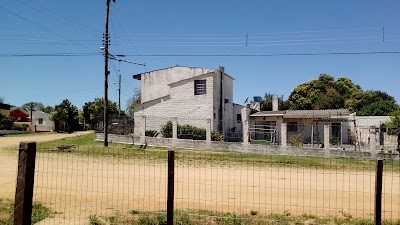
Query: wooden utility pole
[[119, 91], [106, 72]]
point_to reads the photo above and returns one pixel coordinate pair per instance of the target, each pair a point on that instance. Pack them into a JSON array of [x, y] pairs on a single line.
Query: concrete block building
[[193, 95]]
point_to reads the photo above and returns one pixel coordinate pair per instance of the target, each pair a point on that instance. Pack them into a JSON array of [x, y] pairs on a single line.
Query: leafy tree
[[94, 110], [266, 103], [326, 93], [1, 99], [37, 106], [393, 126], [66, 113], [322, 93], [133, 102], [363, 102], [6, 122]]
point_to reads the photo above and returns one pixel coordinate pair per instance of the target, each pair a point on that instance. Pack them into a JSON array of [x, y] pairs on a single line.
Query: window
[[239, 118], [40, 121], [226, 100], [292, 126], [199, 87]]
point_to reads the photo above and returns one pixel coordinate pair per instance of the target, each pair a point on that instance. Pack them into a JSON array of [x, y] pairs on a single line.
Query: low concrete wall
[[246, 148]]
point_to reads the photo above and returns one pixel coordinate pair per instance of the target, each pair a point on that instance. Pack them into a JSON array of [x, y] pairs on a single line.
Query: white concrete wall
[[237, 109], [48, 124], [155, 84], [182, 103]]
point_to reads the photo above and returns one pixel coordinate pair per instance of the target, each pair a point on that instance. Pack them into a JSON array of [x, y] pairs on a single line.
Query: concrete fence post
[[245, 112], [372, 141], [327, 136], [174, 127], [25, 181], [208, 132], [284, 135], [143, 130]]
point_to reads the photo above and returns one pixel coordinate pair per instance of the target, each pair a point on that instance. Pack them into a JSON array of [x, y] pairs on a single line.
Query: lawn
[[203, 217], [86, 145], [39, 212]]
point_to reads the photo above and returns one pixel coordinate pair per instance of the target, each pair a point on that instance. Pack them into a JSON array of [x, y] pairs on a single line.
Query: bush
[[6, 122], [191, 132], [151, 133], [21, 127], [216, 136], [295, 140], [166, 130]]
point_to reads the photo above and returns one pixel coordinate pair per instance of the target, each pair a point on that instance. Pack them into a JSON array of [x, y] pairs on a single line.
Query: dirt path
[[10, 141]]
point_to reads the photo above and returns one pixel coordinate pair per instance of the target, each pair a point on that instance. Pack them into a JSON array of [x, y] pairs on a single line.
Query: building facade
[[190, 94]]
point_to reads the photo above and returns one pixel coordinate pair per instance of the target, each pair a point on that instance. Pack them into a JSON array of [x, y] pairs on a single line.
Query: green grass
[[29, 134], [202, 217], [218, 158], [39, 212]]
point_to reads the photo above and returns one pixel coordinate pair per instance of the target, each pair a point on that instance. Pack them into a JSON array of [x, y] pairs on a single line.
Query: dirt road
[[10, 141], [76, 186]]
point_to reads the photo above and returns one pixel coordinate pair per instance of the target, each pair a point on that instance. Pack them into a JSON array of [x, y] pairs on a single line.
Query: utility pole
[[106, 72], [119, 91], [31, 108]]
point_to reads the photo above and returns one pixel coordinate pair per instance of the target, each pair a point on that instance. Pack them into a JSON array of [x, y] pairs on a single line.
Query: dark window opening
[[226, 100], [292, 126], [239, 118], [199, 87]]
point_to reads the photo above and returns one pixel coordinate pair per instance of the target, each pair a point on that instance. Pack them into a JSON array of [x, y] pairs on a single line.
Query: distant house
[[42, 122], [306, 124], [20, 115], [5, 109], [188, 92]]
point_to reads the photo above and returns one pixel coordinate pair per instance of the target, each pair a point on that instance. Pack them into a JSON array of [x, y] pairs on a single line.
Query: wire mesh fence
[[124, 185]]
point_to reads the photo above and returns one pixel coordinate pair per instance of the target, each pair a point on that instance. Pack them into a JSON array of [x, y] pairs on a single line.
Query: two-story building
[[190, 94]]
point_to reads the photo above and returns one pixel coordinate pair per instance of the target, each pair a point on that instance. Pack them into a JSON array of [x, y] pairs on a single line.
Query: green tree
[[6, 122], [393, 126], [364, 102], [65, 113], [322, 93], [133, 102], [94, 111], [266, 103], [37, 106]]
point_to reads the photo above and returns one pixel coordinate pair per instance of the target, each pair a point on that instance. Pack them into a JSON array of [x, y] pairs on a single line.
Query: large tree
[[328, 93], [133, 102], [37, 106], [65, 116], [93, 111], [322, 93], [266, 103], [393, 127]]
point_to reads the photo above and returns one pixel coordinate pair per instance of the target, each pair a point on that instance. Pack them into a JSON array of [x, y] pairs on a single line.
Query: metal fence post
[[25, 180], [378, 192], [171, 188]]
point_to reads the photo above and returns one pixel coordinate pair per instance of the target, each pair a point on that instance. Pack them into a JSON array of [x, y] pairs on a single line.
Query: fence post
[[25, 180], [171, 188], [378, 192]]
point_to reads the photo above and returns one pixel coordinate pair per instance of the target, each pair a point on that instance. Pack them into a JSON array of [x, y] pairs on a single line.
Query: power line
[[270, 55]]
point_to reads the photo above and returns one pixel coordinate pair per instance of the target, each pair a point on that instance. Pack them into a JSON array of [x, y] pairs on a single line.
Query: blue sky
[[142, 29]]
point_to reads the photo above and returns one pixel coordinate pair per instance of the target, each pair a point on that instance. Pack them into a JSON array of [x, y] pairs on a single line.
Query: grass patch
[[39, 212], [86, 145], [29, 134], [202, 217]]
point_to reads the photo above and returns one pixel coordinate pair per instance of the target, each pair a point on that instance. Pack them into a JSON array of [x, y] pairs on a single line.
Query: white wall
[[155, 84], [47, 125], [182, 103]]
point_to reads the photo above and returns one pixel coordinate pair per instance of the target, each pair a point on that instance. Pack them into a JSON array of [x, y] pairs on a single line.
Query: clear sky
[[153, 31]]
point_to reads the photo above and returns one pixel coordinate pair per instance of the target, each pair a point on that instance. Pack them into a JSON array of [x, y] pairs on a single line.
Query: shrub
[[166, 130], [216, 136], [187, 131], [151, 133], [6, 122], [21, 127], [295, 140]]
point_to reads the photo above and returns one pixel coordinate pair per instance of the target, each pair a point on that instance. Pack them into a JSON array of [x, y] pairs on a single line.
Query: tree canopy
[[94, 110], [65, 116], [37, 106], [328, 93], [133, 102], [393, 126]]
